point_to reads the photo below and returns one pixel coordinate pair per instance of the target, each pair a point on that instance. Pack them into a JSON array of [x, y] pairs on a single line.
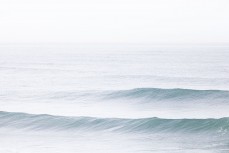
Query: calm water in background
[[114, 98]]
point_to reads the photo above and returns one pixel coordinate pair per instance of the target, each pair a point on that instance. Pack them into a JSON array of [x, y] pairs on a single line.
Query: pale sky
[[114, 21]]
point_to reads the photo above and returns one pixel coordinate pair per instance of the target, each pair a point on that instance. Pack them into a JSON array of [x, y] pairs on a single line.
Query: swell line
[[48, 122], [158, 93]]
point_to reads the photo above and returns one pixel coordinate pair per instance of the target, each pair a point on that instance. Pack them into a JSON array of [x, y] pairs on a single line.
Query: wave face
[[156, 94], [48, 122], [169, 94]]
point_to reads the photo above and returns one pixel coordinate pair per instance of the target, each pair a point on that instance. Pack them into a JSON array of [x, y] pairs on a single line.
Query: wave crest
[[48, 122], [168, 94]]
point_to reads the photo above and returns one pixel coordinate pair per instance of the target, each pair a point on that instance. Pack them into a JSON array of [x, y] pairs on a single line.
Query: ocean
[[116, 98]]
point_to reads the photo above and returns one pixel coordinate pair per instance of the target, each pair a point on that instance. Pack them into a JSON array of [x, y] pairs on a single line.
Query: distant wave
[[48, 122], [147, 94], [170, 94]]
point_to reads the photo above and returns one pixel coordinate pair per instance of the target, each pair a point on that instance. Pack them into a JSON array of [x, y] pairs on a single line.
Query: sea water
[[88, 98]]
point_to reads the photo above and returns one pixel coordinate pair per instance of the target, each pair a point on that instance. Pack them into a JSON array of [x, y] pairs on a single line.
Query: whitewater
[[116, 98]]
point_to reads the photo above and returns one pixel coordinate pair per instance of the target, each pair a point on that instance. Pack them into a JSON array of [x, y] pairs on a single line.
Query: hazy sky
[[114, 21]]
